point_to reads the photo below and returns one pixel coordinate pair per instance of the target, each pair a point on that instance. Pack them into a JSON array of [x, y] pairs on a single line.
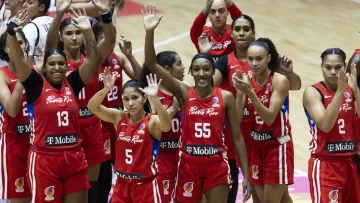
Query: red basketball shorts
[[144, 192], [333, 180], [272, 163], [54, 174], [198, 174], [167, 166], [14, 150], [109, 134], [93, 143]]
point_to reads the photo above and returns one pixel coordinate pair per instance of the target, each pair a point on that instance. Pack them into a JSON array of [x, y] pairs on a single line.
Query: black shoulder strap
[[38, 36]]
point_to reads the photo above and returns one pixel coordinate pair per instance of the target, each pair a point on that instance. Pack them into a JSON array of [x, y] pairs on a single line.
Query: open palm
[[102, 5], [153, 87], [80, 19], [109, 78], [352, 77], [63, 5], [150, 19]]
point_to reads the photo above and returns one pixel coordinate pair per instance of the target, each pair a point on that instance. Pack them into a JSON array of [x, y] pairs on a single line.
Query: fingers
[[73, 13], [159, 81], [142, 90]]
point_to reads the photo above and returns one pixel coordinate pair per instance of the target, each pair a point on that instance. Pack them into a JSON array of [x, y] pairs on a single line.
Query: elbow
[[325, 128], [13, 113], [166, 126], [296, 86], [269, 121]]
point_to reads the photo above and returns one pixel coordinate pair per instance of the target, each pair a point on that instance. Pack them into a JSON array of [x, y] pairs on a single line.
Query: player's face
[[72, 37], [202, 71], [21, 42], [33, 8], [242, 33], [258, 59], [12, 4], [177, 69], [331, 67], [55, 68], [218, 13], [133, 100]]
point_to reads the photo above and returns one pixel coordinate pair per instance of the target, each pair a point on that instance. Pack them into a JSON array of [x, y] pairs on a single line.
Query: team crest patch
[[166, 185], [19, 184], [49, 192], [333, 196], [216, 102], [347, 96], [114, 62], [188, 188], [142, 128], [67, 91], [107, 146], [255, 171]]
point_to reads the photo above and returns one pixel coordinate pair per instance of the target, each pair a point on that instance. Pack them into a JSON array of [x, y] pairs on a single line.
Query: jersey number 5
[[202, 130], [341, 124], [128, 155]]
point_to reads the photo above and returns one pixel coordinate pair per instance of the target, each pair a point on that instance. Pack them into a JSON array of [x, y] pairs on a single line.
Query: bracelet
[[106, 17], [11, 28]]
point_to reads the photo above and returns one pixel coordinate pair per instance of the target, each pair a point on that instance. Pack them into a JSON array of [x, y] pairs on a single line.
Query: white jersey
[[32, 34], [2, 11]]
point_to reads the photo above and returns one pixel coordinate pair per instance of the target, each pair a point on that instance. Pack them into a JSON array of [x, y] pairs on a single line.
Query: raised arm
[[131, 66], [11, 101], [352, 81], [286, 68], [110, 115], [233, 9], [105, 45], [176, 87], [91, 63], [199, 23], [52, 36], [324, 118], [17, 56], [238, 139]]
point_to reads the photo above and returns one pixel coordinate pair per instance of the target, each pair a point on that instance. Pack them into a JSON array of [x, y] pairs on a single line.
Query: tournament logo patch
[[267, 88], [49, 192], [142, 128], [347, 96], [255, 171], [19, 184], [166, 185], [67, 91], [107, 146], [333, 196], [114, 62], [188, 188], [216, 101]]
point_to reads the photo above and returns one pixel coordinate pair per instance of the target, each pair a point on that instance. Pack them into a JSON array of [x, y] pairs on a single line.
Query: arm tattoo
[[207, 7], [228, 3], [91, 46]]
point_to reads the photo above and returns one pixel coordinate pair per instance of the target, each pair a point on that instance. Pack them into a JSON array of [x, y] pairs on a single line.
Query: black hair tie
[[11, 28]]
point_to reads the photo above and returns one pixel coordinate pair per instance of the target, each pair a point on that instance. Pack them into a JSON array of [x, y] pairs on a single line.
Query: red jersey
[[136, 150], [113, 98], [86, 117], [340, 141], [54, 118], [280, 129], [170, 140], [223, 43], [202, 124], [20, 124]]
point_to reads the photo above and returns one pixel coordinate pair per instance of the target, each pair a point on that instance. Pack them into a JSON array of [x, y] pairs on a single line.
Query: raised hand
[[153, 87], [204, 44], [80, 19], [20, 19], [109, 78], [102, 5], [286, 64], [150, 19], [352, 78], [341, 81], [39, 59], [117, 4], [208, 5], [62, 5], [126, 47]]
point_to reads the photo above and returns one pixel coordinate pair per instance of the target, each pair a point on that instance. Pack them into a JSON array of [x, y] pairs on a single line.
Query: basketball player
[[36, 31], [167, 159], [116, 63], [137, 144], [331, 107], [14, 128], [56, 162], [267, 98], [71, 41], [202, 145]]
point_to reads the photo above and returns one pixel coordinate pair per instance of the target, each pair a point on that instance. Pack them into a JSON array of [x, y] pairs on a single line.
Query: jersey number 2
[[341, 124], [202, 130], [112, 95]]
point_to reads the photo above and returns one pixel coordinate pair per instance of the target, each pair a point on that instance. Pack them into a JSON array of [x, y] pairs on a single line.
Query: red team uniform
[[167, 159], [203, 163], [56, 164], [272, 159], [90, 125], [112, 100], [14, 147], [135, 166], [228, 65], [331, 169]]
